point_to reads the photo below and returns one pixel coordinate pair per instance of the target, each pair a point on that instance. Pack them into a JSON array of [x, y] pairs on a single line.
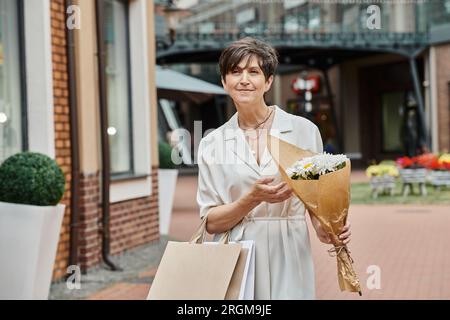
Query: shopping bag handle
[[199, 235]]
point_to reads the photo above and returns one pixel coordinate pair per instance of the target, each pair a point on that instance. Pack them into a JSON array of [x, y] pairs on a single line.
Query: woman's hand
[[325, 238], [321, 234], [345, 234], [262, 191]]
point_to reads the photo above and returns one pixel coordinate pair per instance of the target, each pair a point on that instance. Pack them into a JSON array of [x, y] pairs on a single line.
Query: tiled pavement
[[407, 244], [126, 290], [123, 291]]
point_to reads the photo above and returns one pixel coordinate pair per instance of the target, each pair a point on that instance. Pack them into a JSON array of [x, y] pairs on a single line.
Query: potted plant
[[412, 171], [31, 186], [439, 171], [382, 178], [167, 181]]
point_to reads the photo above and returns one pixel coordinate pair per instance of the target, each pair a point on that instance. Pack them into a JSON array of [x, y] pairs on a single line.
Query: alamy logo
[[73, 282], [374, 278], [74, 17], [374, 20]]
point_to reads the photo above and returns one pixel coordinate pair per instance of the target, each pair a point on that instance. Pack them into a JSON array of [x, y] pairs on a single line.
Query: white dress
[[227, 170]]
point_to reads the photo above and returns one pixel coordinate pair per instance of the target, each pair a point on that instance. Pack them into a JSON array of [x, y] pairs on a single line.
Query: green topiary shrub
[[165, 156], [31, 178]]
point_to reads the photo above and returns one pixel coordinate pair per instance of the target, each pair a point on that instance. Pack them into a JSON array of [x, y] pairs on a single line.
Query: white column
[[39, 77], [433, 83], [139, 59]]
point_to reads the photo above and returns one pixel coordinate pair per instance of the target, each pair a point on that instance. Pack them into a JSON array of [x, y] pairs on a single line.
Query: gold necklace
[[257, 141], [259, 124], [258, 133]]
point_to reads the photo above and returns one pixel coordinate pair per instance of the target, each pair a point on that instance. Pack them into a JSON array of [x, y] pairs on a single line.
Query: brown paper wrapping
[[328, 199]]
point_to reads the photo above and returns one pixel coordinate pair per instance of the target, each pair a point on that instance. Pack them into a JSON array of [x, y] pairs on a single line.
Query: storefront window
[[117, 73], [12, 107]]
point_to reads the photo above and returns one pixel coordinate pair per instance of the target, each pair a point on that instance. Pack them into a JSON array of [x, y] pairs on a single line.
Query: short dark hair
[[245, 47]]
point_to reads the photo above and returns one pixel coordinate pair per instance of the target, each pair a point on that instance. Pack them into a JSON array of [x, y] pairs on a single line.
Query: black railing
[[404, 42]]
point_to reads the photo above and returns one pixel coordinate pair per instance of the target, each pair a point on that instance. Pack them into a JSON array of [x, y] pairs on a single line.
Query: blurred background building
[[376, 80]]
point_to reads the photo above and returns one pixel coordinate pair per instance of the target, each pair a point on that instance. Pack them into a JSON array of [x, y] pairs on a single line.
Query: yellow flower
[[306, 166], [392, 171], [372, 171], [445, 158], [382, 169]]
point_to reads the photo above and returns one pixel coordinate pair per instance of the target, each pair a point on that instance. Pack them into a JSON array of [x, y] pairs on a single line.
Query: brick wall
[[62, 125], [132, 223], [135, 222], [443, 80], [90, 215]]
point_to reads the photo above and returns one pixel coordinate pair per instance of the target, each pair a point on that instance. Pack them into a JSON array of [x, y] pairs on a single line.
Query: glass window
[[444, 16], [350, 18], [12, 116], [117, 73], [298, 18], [314, 22]]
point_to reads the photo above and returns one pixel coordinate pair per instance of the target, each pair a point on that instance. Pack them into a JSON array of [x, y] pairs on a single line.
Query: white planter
[[382, 185], [413, 175], [167, 182], [439, 178], [28, 241]]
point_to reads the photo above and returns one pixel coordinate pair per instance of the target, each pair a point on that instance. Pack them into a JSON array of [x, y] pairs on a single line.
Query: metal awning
[[175, 85]]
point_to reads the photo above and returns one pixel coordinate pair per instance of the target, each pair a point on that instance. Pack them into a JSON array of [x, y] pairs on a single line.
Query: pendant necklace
[[258, 134]]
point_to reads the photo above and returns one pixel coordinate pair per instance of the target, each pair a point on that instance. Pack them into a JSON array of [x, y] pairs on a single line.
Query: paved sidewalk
[[138, 269], [408, 244]]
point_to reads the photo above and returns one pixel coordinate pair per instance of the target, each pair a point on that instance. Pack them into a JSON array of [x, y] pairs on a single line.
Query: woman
[[239, 186]]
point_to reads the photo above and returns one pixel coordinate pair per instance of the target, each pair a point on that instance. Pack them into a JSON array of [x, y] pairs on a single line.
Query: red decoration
[[310, 83], [405, 162], [427, 160]]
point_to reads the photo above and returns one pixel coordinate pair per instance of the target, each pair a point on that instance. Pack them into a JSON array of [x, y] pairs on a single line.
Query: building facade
[[78, 85]]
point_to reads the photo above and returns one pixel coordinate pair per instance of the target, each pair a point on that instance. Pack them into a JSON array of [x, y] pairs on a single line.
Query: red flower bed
[[426, 160], [405, 162]]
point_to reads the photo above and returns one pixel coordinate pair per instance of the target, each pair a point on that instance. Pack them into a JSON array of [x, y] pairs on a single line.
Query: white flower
[[315, 166]]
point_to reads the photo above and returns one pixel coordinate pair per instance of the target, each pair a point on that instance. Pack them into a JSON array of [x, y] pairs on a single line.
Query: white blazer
[[227, 171]]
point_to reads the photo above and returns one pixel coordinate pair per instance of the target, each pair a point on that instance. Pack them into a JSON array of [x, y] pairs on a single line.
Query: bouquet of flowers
[[322, 183], [311, 168]]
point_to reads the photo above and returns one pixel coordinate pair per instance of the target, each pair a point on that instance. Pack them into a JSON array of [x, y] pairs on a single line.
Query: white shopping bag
[[247, 291], [242, 283]]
